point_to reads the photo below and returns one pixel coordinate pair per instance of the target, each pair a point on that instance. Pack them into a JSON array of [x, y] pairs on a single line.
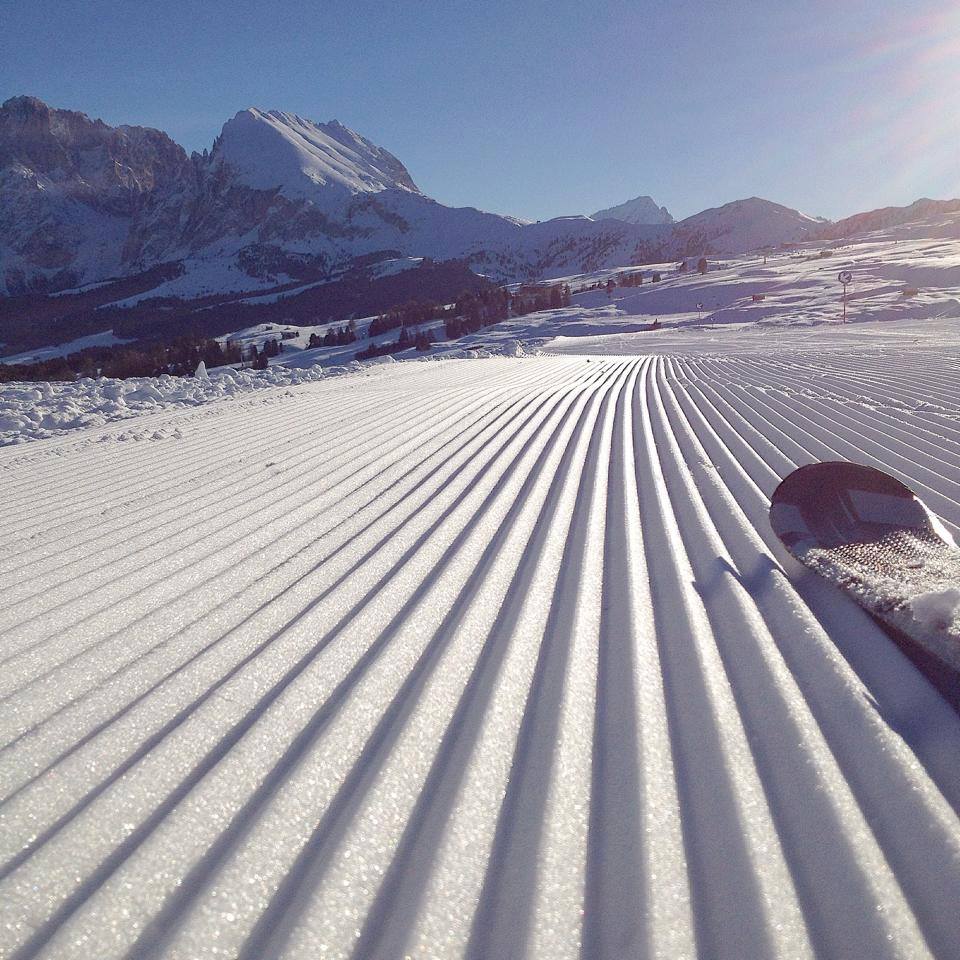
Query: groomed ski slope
[[489, 659]]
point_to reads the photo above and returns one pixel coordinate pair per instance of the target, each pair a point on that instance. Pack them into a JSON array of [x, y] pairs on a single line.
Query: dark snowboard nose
[[836, 503]]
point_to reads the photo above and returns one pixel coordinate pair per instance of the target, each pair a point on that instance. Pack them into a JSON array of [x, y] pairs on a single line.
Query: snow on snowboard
[[872, 536]]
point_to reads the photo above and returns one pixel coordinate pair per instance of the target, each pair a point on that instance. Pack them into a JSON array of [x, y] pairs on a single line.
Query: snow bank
[[465, 353], [32, 411]]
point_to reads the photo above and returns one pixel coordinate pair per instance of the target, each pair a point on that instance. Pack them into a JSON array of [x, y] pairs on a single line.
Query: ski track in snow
[[483, 659]]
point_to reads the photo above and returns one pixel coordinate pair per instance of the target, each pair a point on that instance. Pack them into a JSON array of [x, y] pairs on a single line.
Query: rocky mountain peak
[[64, 146], [640, 210], [270, 150]]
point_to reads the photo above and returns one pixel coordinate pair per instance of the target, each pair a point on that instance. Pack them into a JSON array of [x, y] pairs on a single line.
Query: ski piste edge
[[870, 535]]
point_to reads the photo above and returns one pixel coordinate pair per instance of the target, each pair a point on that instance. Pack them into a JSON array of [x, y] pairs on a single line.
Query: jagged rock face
[[104, 166], [69, 189]]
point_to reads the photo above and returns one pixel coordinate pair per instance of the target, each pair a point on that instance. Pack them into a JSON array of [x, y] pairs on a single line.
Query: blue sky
[[540, 109]]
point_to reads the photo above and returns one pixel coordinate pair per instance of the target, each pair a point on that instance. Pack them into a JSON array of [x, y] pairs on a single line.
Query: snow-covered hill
[[747, 225], [464, 657], [932, 218], [639, 210]]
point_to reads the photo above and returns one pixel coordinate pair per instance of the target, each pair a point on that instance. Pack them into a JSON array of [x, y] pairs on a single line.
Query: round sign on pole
[[845, 277]]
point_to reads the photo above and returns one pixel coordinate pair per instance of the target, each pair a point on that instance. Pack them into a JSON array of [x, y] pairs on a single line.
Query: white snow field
[[476, 658]]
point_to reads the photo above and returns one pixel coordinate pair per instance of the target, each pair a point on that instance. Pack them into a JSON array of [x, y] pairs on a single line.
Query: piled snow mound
[[33, 411], [467, 353], [936, 608]]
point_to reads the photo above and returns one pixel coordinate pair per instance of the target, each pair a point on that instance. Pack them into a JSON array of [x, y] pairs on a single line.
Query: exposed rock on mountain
[[280, 200], [69, 189], [639, 210]]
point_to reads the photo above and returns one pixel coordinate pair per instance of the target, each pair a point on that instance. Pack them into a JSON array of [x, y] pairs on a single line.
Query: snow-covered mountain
[[747, 225], [638, 210], [281, 150], [280, 200], [284, 197], [277, 199]]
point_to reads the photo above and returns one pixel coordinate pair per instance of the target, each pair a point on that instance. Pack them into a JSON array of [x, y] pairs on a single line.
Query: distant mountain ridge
[[277, 199], [886, 217], [280, 200]]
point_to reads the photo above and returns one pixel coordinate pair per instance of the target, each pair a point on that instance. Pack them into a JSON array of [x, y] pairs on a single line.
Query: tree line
[[335, 336], [179, 357], [469, 313], [540, 297]]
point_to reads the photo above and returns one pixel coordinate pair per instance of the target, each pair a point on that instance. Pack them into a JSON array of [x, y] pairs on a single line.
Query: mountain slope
[[316, 196], [747, 225], [278, 198], [281, 200], [920, 210]]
